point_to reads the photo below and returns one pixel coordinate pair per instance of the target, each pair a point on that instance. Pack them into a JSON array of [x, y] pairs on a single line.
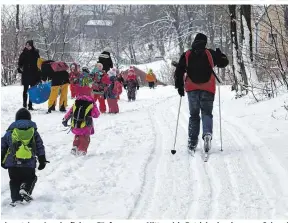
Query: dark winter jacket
[[105, 60], [109, 93], [218, 59], [27, 66], [6, 143], [58, 78], [132, 84]]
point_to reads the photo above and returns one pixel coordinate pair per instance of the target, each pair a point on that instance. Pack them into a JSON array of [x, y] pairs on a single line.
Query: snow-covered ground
[[129, 171]]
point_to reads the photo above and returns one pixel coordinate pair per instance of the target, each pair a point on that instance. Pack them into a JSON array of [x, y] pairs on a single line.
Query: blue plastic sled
[[39, 93]]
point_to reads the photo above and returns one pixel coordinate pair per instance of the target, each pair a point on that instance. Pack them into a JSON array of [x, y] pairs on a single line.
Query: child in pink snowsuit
[[81, 114]]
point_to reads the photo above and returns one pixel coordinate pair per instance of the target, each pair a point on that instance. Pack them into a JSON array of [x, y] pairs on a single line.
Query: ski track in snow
[[129, 171]]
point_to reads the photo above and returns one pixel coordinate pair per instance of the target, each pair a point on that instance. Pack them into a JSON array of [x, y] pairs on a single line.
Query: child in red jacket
[[73, 78]]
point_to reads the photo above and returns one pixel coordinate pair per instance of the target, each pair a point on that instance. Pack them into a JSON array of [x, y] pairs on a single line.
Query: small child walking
[[113, 91], [73, 78], [19, 148], [81, 114]]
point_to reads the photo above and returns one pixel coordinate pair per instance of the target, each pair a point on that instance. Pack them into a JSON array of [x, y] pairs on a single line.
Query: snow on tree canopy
[[99, 23]]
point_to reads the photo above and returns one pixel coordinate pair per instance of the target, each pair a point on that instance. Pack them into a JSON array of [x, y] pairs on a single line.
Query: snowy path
[[129, 171]]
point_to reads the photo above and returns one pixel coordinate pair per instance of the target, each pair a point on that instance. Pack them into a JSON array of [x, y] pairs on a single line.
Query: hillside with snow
[[129, 171]]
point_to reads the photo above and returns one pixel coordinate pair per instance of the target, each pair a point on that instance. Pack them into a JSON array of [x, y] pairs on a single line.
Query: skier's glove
[[137, 87], [3, 165], [19, 70], [174, 63], [2, 158], [181, 92], [218, 52], [42, 162], [64, 122]]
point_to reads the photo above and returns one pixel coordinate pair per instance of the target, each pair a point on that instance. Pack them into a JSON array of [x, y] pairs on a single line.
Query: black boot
[[192, 144], [24, 100], [30, 106], [207, 142], [62, 108], [27, 188], [53, 107]]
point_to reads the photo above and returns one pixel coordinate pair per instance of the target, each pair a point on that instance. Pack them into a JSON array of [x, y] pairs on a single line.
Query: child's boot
[[25, 194], [74, 150]]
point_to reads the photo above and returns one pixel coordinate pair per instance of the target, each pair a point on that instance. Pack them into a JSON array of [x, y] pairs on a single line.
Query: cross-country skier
[[200, 85]]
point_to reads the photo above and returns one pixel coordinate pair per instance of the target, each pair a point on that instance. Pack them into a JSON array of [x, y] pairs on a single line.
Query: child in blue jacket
[[19, 148]]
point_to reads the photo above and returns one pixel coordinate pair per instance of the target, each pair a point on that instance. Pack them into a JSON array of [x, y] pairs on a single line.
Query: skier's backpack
[[117, 89], [59, 66], [199, 66], [82, 114], [23, 145]]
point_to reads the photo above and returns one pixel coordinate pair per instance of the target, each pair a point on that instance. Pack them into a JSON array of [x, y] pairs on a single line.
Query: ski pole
[[220, 116], [173, 151]]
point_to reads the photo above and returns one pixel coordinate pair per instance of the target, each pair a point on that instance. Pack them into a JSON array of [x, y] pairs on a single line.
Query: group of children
[[104, 86], [22, 143]]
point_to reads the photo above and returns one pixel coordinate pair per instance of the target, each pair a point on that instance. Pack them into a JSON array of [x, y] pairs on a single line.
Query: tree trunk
[[240, 49], [16, 40], [234, 42], [174, 10], [221, 45], [282, 71], [62, 30], [190, 26], [246, 11]]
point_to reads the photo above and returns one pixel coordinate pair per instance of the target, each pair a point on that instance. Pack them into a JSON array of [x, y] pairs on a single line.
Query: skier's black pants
[[151, 84], [25, 96], [23, 177], [131, 93]]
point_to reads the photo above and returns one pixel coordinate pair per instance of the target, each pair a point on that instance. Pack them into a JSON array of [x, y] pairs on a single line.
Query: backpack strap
[[211, 63], [187, 54]]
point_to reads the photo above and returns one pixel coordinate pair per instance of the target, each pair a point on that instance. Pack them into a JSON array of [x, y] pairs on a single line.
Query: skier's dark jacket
[[58, 78], [218, 59], [105, 60]]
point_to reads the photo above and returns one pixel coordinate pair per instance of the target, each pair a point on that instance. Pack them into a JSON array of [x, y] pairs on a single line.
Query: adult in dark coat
[[27, 66], [105, 59]]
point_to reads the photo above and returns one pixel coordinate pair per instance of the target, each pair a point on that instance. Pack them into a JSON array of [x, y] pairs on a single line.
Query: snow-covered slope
[[129, 171]]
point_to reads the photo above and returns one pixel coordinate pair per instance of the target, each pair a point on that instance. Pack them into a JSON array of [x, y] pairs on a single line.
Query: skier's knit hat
[[31, 43], [22, 114], [200, 41]]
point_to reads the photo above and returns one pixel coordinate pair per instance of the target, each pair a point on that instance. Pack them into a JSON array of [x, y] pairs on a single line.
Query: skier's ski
[[192, 152], [206, 156]]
